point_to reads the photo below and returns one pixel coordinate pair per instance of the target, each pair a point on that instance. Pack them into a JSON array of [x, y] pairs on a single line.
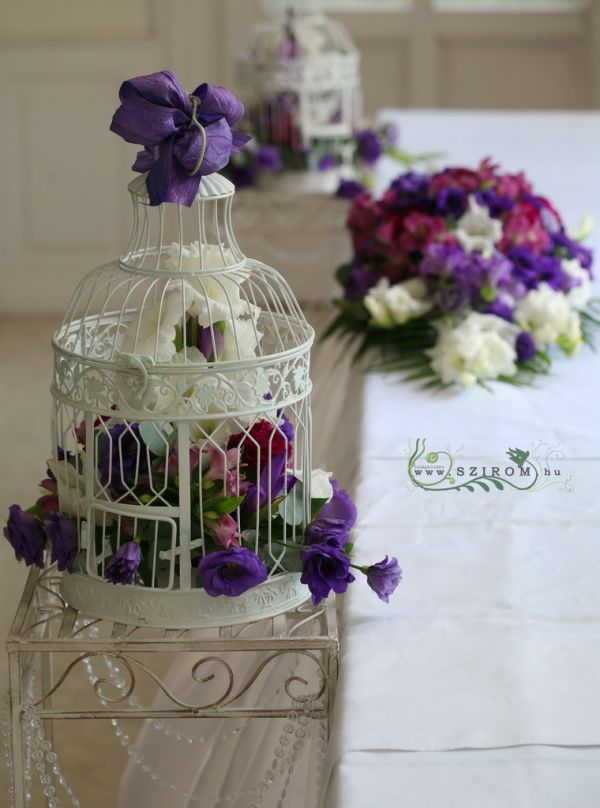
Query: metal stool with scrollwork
[[50, 640]]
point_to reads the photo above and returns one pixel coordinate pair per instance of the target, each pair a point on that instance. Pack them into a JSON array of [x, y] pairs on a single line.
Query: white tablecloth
[[478, 684]]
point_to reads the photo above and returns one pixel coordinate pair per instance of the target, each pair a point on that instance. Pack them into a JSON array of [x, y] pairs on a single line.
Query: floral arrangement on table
[[464, 276]]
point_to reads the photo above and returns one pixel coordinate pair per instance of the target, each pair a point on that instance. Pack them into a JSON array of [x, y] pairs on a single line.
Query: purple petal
[[217, 102], [152, 108]]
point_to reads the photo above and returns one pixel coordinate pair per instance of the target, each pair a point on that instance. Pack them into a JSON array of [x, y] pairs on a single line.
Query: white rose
[[549, 318], [153, 333], [477, 231], [397, 304], [482, 346], [579, 296]]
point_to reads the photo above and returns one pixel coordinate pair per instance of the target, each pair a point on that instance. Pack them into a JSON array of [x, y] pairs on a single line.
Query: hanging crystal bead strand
[[6, 741]]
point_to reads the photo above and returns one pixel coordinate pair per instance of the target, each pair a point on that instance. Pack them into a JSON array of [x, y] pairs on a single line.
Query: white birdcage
[[181, 379], [301, 79]]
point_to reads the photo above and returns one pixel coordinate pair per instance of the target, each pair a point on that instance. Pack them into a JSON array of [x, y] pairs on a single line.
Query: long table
[[477, 686]]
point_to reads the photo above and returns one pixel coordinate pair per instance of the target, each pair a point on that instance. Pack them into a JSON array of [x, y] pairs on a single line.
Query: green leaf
[[469, 487], [497, 483], [483, 485], [291, 508], [220, 506]]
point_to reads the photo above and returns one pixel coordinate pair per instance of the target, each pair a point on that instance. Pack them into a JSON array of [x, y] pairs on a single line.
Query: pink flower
[[225, 531], [523, 228], [363, 219], [464, 179], [49, 502], [419, 231], [173, 467], [513, 186]]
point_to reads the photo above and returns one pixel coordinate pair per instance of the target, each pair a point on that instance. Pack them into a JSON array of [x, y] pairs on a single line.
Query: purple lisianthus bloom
[[368, 146], [335, 519], [210, 342], [525, 347], [348, 189], [231, 572], [268, 158], [122, 567], [260, 493], [384, 577], [533, 269], [325, 568], [410, 188], [494, 202], [358, 282], [574, 249], [326, 162], [63, 535], [25, 534], [177, 130], [122, 457], [501, 309], [451, 202]]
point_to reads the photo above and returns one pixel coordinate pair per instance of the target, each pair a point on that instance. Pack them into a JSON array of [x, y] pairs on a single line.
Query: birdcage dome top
[[293, 37], [183, 305]]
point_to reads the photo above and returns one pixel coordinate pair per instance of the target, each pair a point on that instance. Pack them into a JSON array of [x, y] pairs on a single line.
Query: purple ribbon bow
[[184, 136]]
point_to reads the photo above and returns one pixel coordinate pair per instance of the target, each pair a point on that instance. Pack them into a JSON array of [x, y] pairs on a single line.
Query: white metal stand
[[49, 639]]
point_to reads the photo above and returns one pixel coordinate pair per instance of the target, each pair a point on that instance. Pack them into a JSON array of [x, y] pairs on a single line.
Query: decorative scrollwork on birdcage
[[181, 422]]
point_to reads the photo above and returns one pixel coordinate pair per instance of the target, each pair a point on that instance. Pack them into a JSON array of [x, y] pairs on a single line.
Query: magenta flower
[[122, 567], [64, 540], [231, 572], [384, 577], [25, 534], [325, 568]]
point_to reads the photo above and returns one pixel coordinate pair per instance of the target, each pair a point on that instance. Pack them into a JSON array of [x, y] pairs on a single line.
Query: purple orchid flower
[[231, 572], [185, 136]]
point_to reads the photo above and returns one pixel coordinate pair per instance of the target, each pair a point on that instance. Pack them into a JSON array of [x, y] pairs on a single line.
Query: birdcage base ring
[[194, 608]]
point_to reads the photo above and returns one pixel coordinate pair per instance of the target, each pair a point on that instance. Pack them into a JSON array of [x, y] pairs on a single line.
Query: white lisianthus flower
[[549, 318], [477, 231], [153, 333], [482, 346], [397, 304], [579, 296]]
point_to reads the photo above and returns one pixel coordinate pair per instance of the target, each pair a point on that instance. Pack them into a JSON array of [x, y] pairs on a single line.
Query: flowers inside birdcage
[[240, 488], [181, 470], [464, 276]]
